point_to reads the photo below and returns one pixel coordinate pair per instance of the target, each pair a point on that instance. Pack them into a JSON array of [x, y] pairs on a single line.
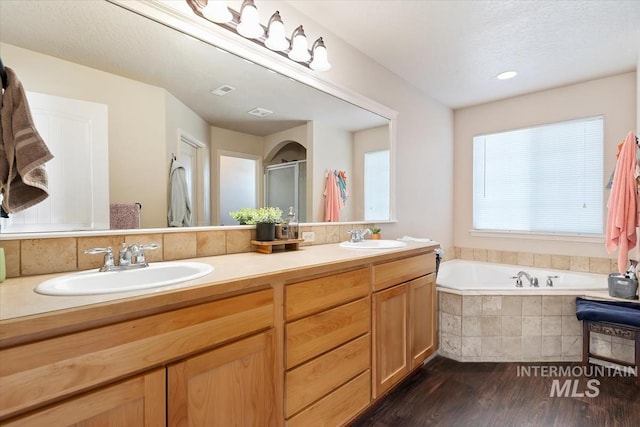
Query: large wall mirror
[[162, 95]]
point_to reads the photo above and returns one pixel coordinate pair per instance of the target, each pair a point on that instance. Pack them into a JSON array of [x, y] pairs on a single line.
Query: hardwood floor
[[449, 393]]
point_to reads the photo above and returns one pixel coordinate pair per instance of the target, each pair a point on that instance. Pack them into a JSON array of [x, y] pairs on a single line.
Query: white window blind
[[545, 179], [376, 185]]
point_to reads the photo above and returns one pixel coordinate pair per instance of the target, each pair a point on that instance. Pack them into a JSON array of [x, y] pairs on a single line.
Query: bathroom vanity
[[314, 336]]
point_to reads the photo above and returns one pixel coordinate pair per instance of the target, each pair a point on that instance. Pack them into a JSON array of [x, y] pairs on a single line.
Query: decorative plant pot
[[265, 231], [375, 236]]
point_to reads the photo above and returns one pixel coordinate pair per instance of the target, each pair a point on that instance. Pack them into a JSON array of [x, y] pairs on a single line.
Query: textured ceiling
[[452, 50]]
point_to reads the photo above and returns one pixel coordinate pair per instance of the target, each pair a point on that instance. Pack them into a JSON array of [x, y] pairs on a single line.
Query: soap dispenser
[[292, 224]]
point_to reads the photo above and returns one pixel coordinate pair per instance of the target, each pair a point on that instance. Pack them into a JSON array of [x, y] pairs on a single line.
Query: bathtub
[[484, 317], [462, 275]]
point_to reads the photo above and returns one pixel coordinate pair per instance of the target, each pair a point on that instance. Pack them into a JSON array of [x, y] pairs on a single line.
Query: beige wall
[[181, 119], [332, 150], [136, 113], [614, 97]]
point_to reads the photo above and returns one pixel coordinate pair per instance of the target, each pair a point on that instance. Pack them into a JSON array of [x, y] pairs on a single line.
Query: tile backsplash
[[28, 257]]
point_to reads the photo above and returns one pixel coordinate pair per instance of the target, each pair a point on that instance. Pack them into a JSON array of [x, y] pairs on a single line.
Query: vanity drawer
[[318, 377], [403, 270], [313, 296], [338, 407], [314, 335]]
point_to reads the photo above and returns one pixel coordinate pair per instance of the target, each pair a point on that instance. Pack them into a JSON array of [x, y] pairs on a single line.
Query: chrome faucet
[[358, 235], [129, 257], [533, 281]]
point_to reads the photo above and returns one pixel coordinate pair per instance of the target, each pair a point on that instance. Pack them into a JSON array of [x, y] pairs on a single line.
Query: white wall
[[614, 97]]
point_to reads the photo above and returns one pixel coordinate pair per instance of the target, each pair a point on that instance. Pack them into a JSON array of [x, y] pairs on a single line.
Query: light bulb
[[276, 40], [217, 11], [320, 60], [249, 25], [299, 50]]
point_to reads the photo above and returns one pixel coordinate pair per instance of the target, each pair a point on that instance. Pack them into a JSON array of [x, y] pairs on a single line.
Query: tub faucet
[[533, 281], [358, 235]]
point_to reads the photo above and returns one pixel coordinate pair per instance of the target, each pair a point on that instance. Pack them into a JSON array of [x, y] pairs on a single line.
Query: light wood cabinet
[[139, 401], [36, 374], [390, 326], [404, 319], [318, 351], [422, 319], [327, 349], [338, 407], [229, 386]]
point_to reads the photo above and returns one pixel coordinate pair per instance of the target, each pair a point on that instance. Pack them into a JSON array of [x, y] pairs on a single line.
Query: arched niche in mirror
[[286, 178], [163, 81]]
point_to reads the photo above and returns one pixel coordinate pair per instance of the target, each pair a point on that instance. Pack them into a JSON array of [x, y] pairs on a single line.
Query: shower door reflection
[[286, 186]]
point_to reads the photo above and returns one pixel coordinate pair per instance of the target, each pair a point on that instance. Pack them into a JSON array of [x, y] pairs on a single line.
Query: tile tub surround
[[501, 328], [58, 253], [531, 259]]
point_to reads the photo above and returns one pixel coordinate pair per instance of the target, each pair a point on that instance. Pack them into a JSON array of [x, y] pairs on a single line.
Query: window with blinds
[[544, 179]]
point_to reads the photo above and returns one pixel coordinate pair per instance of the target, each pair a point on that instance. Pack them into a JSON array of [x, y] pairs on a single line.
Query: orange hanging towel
[[332, 199], [622, 214]]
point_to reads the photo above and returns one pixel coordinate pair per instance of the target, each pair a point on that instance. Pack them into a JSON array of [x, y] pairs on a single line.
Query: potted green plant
[[375, 233], [243, 216], [265, 220]]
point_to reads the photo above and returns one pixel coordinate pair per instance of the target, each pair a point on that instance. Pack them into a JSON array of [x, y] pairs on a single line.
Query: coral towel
[[332, 200], [622, 215], [23, 153]]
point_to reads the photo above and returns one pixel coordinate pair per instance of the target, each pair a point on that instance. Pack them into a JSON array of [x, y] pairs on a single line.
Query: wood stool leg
[[637, 338], [585, 342]]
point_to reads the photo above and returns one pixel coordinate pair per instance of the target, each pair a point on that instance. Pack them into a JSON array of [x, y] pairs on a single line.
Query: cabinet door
[[228, 386], [139, 401], [421, 318], [390, 332]]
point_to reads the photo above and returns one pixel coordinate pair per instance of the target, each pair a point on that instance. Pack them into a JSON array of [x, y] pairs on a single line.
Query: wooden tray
[[268, 247]]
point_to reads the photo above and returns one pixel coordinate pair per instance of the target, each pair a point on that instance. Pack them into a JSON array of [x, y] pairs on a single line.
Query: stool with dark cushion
[[619, 319]]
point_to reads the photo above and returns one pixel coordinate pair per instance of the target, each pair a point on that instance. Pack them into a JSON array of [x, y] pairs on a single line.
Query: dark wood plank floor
[[449, 393]]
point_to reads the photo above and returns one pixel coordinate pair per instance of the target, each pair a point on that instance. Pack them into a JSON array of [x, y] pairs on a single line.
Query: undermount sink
[[374, 244], [95, 282]]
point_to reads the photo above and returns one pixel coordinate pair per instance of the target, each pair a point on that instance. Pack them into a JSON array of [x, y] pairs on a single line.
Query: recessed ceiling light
[[507, 75]]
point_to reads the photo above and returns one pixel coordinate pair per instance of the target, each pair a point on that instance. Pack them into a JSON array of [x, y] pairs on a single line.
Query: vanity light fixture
[[276, 40], [319, 61], [247, 24], [507, 75], [299, 52], [217, 11]]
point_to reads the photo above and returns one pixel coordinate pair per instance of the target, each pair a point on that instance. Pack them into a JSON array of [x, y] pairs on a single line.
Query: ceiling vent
[[260, 112], [223, 90]]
